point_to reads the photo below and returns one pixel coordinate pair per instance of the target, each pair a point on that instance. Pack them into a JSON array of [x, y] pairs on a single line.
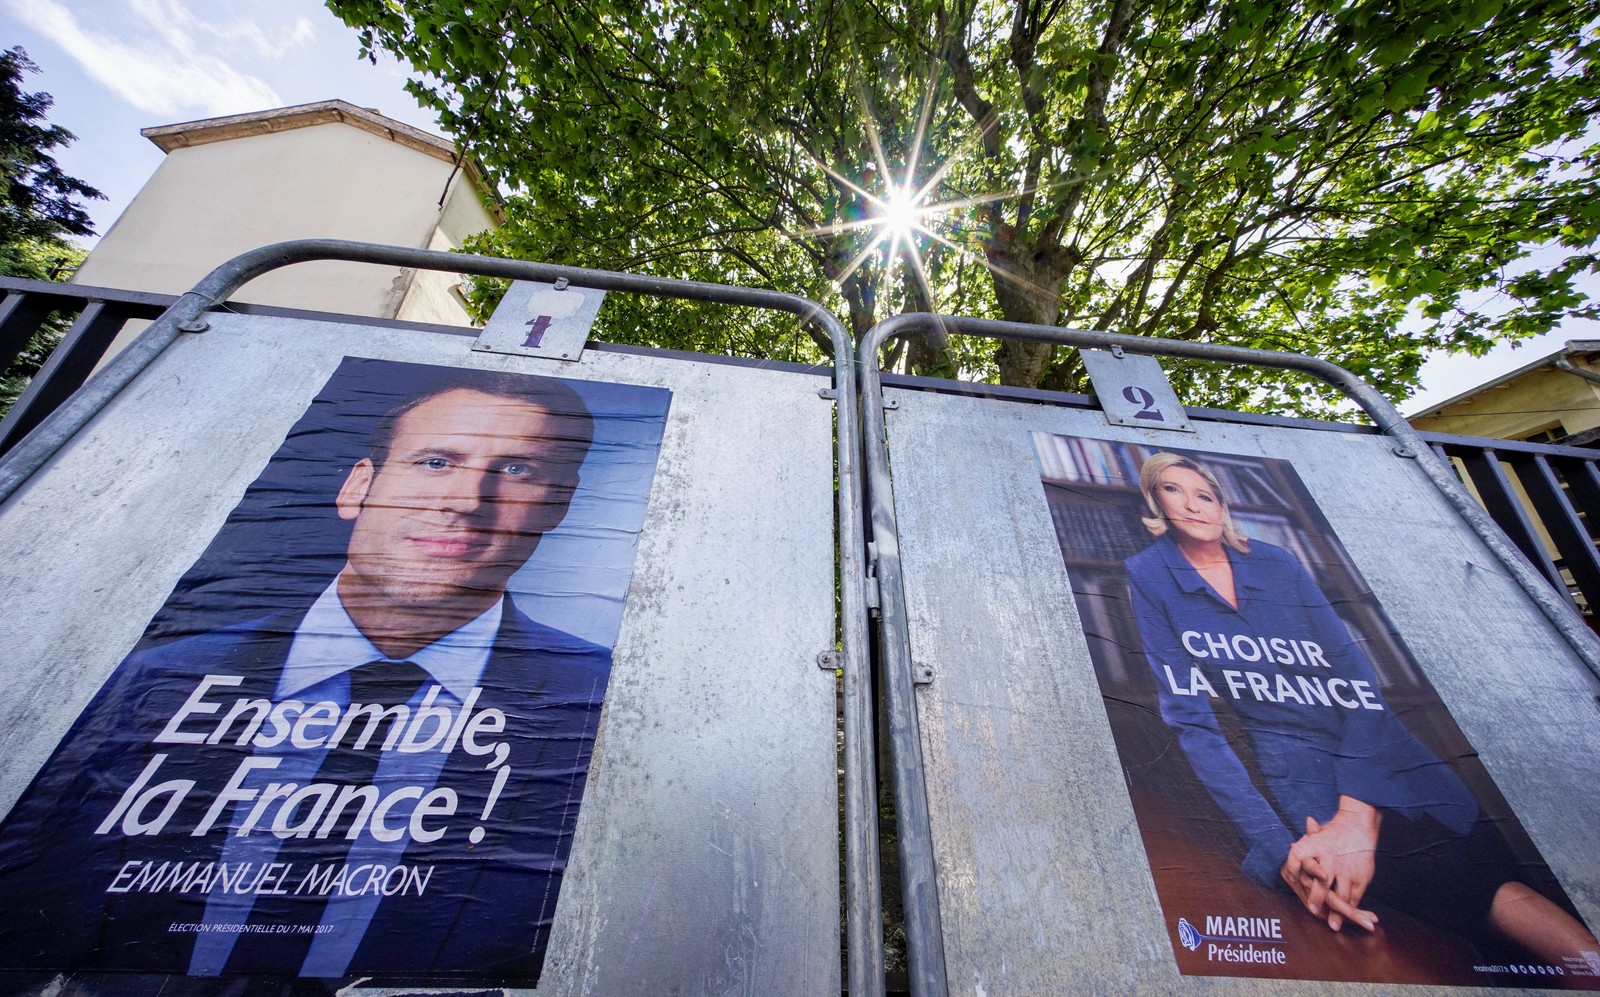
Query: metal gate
[[1066, 823], [704, 857]]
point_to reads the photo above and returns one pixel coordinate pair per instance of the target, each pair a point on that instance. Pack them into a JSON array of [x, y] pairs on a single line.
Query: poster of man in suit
[[355, 740]]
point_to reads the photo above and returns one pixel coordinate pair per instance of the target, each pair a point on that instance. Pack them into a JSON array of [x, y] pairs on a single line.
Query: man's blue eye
[[517, 470], [435, 463]]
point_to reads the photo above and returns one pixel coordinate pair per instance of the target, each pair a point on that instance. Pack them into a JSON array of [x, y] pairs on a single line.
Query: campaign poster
[[354, 741], [1308, 806]]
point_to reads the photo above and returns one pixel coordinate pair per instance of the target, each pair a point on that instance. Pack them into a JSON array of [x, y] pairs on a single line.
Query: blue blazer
[[485, 914], [1316, 723]]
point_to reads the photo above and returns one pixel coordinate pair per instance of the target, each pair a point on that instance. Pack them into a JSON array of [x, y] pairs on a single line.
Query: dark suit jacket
[[1309, 753], [486, 912]]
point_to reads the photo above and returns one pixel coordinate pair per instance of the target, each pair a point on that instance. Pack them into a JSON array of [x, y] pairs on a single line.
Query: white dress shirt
[[326, 645]]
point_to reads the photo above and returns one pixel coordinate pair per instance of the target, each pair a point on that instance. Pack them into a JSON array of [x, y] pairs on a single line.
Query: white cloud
[[175, 20], [157, 64]]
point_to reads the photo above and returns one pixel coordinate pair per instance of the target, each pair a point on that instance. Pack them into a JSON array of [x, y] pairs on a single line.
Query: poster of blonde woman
[[1308, 805]]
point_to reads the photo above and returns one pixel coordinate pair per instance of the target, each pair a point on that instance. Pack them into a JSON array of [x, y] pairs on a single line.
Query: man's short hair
[[572, 427]]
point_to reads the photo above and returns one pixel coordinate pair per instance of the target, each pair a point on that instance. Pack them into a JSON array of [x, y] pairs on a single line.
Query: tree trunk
[[923, 360], [1028, 286], [1067, 374]]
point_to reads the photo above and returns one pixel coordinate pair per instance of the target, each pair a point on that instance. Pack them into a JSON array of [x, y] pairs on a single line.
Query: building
[[1555, 399], [323, 170]]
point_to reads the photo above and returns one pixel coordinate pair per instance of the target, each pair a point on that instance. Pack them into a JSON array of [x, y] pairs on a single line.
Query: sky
[[116, 66]]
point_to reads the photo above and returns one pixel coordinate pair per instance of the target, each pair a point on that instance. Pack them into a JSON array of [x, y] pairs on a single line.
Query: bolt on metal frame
[[924, 934], [863, 907]]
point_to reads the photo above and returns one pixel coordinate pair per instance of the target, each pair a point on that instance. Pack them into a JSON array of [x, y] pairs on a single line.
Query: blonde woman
[[1353, 806]]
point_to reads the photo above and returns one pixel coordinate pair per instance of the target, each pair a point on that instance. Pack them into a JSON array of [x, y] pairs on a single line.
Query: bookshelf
[[1092, 490]]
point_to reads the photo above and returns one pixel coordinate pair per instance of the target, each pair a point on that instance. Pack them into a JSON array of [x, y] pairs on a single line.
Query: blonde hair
[[1156, 523]]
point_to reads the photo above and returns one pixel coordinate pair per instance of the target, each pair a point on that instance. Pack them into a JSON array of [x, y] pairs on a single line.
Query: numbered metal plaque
[[542, 320], [1133, 391]]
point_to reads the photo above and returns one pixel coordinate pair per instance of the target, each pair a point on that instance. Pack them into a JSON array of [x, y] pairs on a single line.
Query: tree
[[39, 207], [38, 199], [1337, 177]]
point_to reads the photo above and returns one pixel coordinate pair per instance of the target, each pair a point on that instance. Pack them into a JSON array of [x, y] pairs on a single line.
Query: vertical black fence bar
[[1583, 487], [1500, 499], [21, 314], [68, 367], [1561, 521]]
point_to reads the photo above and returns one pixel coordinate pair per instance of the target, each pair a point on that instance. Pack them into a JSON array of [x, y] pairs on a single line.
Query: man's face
[[470, 484]]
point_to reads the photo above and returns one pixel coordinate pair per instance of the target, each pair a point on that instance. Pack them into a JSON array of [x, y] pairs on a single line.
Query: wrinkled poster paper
[[354, 741], [1258, 696]]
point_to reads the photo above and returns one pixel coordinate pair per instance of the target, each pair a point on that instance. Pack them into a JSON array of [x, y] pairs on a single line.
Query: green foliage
[[1354, 179], [39, 205], [37, 199], [36, 259]]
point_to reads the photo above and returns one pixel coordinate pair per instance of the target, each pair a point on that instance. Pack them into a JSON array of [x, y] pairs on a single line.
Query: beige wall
[[430, 295], [208, 203], [1518, 408]]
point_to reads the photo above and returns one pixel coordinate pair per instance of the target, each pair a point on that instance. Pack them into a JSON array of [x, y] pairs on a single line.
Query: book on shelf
[[1245, 481], [1097, 531], [1075, 458]]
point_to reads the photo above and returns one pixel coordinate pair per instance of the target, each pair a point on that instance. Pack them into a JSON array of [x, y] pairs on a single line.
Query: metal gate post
[[924, 935], [863, 906]]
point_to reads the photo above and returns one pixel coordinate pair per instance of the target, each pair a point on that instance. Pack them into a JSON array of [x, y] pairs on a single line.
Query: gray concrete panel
[[705, 859], [1043, 878]]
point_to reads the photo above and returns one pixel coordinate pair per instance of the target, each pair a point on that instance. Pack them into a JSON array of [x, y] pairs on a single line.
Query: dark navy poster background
[[194, 820], [1232, 723]]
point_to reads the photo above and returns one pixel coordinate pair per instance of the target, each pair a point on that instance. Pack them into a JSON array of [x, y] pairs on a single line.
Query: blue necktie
[[382, 683]]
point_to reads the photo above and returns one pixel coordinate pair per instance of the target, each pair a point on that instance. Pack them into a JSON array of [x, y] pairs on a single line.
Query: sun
[[898, 233], [898, 214]]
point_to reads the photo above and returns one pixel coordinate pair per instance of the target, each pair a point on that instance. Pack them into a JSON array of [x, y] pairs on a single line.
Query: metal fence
[[52, 412], [96, 314], [1545, 498]]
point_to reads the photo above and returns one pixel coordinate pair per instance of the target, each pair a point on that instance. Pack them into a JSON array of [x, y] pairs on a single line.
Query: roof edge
[[207, 130], [1572, 348]]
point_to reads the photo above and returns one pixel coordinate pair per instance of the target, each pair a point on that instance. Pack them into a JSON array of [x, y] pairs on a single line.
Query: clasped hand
[[1331, 867]]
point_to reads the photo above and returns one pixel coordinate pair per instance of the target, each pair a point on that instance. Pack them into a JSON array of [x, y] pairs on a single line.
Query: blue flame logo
[[1187, 935]]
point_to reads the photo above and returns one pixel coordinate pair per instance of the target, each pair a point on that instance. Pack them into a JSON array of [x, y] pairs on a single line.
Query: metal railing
[[97, 314], [56, 410], [1547, 500]]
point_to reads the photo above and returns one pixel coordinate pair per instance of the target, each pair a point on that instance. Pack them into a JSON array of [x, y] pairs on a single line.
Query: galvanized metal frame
[[919, 886], [863, 907]]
